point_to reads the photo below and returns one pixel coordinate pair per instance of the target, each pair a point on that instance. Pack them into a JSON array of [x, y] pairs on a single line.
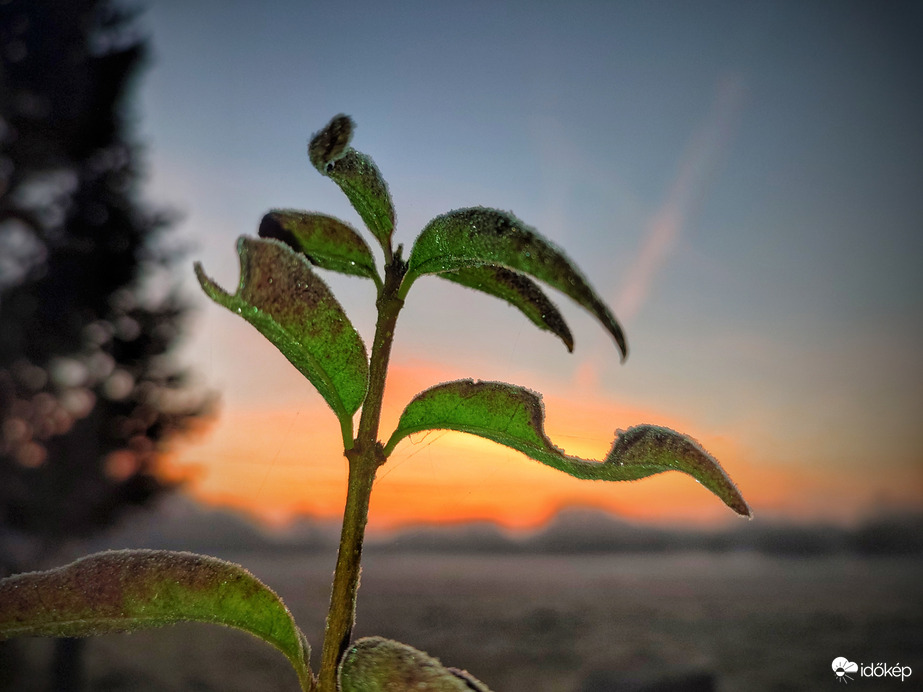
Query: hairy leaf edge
[[608, 469], [299, 659]]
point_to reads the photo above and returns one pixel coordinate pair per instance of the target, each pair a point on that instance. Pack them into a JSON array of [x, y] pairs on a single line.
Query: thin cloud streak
[[696, 167]]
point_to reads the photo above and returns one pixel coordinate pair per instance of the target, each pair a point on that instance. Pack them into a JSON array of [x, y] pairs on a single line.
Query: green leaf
[[518, 290], [293, 308], [515, 417], [356, 174], [477, 236], [375, 664], [126, 590], [326, 242]]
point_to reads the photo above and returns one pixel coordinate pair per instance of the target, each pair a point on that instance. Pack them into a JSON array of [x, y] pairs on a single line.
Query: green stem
[[364, 457], [342, 611]]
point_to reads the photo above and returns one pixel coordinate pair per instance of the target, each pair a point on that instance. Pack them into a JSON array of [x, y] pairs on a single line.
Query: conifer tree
[[89, 395]]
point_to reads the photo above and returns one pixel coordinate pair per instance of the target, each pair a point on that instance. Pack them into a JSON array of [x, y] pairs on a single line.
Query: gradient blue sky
[[742, 181]]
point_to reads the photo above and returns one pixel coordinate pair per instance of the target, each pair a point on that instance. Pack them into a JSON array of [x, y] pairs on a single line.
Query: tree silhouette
[[89, 396]]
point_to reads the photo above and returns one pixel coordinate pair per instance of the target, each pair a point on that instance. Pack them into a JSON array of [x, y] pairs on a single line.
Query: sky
[[740, 181]]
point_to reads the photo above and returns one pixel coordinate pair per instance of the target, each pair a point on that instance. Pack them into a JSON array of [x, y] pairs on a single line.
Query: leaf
[[356, 174], [126, 590], [479, 236], [293, 308], [515, 417], [326, 242], [518, 290], [375, 664]]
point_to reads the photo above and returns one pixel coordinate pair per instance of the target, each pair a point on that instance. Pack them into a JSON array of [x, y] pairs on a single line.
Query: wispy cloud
[[695, 168]]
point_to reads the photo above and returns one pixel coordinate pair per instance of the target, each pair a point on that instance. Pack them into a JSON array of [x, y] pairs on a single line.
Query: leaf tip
[[652, 449], [204, 281], [620, 341], [331, 142], [743, 509]]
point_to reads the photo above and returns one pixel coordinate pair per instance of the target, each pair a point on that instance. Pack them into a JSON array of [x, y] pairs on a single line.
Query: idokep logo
[[842, 668]]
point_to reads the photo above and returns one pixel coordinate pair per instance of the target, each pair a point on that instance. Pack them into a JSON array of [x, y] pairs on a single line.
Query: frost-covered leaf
[[126, 590], [375, 664], [291, 306], [479, 236], [356, 174], [515, 417], [518, 290], [326, 242]]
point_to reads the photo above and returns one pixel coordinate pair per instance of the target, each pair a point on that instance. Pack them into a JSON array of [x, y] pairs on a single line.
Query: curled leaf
[[518, 290], [356, 174], [330, 144], [479, 236], [375, 664], [326, 241], [515, 417], [126, 590], [293, 308]]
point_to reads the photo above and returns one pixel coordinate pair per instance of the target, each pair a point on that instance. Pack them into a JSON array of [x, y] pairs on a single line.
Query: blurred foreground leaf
[[515, 417], [293, 308], [479, 236], [374, 664], [125, 590]]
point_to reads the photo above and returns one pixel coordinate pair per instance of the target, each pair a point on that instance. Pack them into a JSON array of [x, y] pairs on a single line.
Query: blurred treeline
[[184, 525], [89, 395]]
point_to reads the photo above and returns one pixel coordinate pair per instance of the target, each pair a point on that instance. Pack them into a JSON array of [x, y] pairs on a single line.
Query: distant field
[[550, 623]]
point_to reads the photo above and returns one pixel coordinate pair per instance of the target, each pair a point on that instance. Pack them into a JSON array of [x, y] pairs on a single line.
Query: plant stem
[[342, 611], [364, 458]]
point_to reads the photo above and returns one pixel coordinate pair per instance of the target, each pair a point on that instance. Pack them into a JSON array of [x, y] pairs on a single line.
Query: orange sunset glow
[[277, 464], [238, 237], [750, 216]]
